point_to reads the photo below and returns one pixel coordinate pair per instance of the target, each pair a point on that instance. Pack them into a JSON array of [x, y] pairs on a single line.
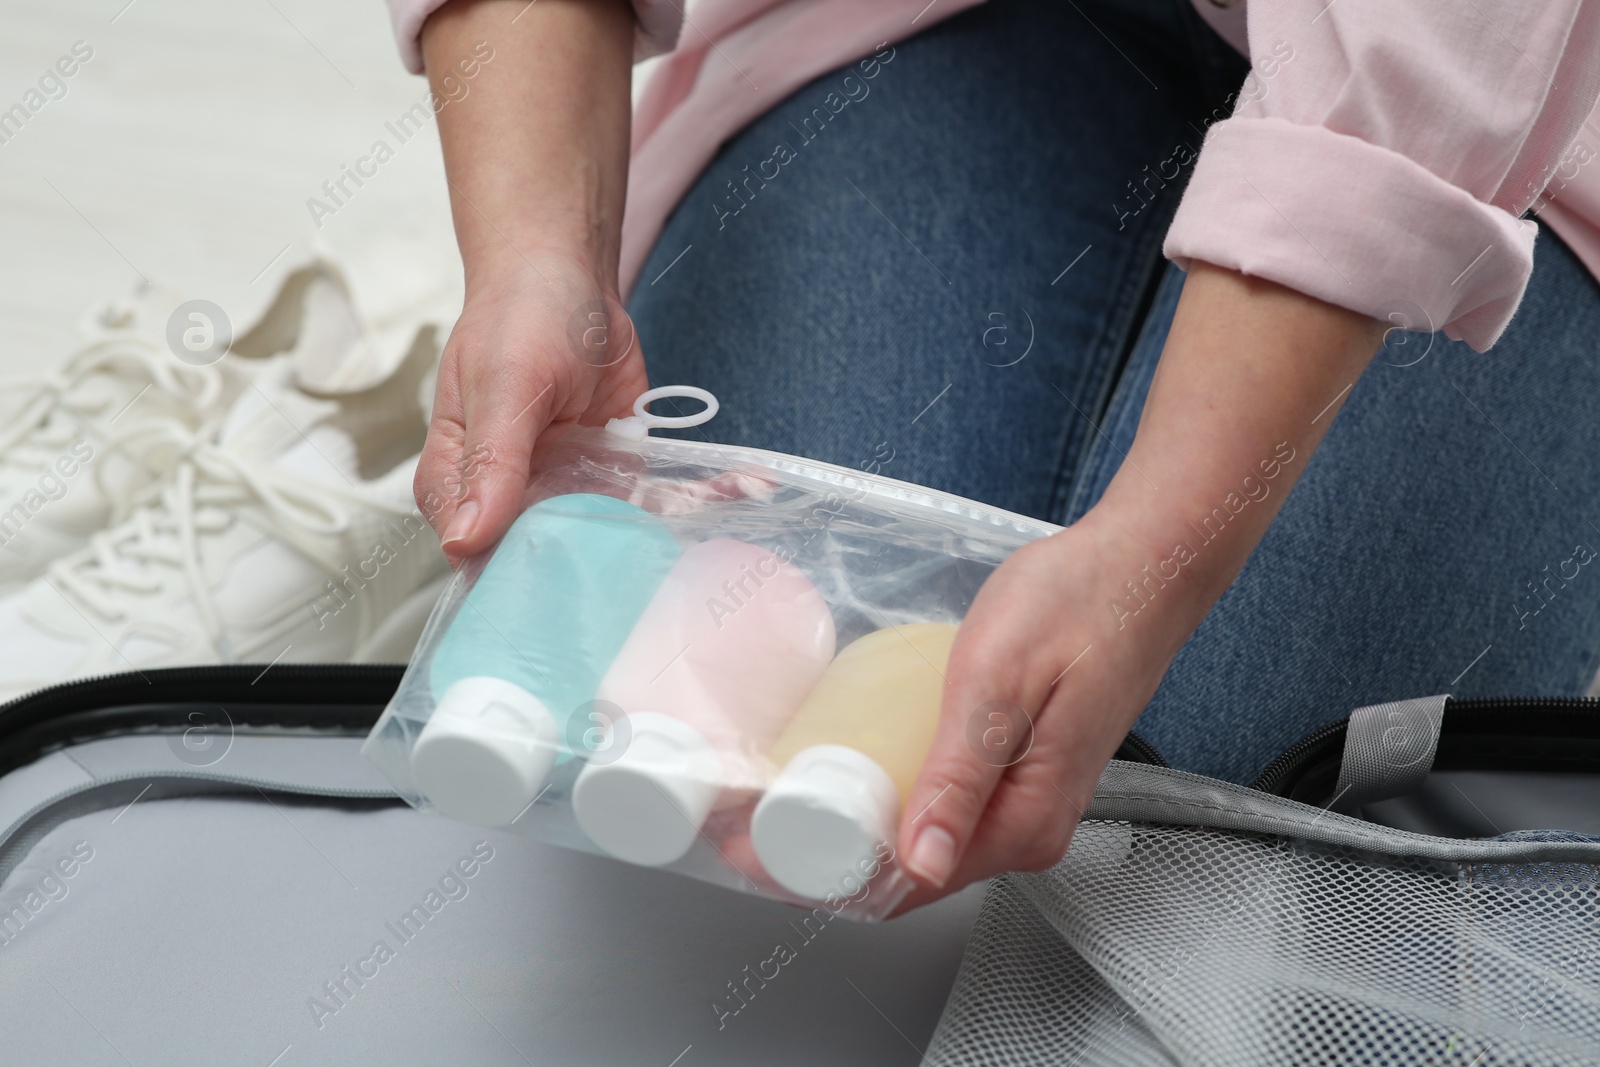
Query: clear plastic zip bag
[[716, 660]]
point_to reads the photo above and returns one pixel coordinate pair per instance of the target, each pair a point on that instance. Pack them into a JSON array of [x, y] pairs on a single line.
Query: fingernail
[[461, 524], [933, 856]]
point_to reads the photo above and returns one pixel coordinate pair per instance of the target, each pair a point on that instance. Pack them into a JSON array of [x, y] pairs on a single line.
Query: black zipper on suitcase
[[1135, 749], [342, 699], [1487, 733]]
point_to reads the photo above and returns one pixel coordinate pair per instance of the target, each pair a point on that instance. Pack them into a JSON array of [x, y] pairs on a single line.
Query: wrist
[[1164, 568], [539, 256], [566, 272]]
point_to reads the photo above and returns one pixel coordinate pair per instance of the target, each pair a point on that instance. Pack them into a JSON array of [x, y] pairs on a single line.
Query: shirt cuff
[[1355, 225], [407, 17], [656, 27]]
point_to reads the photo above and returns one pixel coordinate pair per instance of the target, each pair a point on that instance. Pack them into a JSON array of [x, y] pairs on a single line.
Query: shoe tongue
[[277, 423], [334, 352]]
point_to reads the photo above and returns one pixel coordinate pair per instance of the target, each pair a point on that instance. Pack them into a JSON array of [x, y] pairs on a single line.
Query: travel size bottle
[[730, 645], [529, 646], [850, 756]]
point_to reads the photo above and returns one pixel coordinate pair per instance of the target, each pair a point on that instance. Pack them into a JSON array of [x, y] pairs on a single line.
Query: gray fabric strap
[[1161, 796], [1388, 750]]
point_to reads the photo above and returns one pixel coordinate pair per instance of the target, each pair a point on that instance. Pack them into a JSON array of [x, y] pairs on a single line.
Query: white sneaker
[[291, 537], [61, 478]]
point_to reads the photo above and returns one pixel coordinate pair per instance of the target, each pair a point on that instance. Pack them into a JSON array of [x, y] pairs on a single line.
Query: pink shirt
[[1379, 156]]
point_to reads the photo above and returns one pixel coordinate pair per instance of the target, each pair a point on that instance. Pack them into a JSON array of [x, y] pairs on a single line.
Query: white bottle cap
[[647, 806], [823, 818], [486, 752]]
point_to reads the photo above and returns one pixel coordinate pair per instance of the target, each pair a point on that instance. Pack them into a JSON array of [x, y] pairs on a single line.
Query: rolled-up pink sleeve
[[658, 24], [1381, 154]]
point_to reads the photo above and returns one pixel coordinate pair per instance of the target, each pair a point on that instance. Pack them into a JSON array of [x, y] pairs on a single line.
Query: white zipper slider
[[637, 426]]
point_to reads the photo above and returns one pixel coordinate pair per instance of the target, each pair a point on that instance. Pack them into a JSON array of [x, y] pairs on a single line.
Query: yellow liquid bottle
[[850, 756]]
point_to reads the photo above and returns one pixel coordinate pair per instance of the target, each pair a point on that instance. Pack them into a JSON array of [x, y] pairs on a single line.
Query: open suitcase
[[198, 867]]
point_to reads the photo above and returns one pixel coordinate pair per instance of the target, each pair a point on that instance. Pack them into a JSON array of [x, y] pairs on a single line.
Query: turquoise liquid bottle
[[528, 647]]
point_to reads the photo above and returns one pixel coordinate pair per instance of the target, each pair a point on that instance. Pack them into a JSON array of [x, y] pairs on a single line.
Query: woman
[[939, 230]]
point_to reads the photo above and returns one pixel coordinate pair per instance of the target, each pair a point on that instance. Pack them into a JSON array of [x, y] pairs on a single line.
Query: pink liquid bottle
[[724, 653]]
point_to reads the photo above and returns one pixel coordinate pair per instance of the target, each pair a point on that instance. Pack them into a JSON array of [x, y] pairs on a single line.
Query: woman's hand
[[1053, 664], [1070, 637], [536, 153], [534, 354]]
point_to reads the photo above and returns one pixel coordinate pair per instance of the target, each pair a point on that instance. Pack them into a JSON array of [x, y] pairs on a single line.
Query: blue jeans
[[960, 256]]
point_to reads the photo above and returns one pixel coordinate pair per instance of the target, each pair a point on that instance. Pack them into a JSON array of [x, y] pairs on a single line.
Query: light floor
[[184, 151]]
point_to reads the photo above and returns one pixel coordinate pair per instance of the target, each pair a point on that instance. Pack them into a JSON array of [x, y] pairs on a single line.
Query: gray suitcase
[[197, 867]]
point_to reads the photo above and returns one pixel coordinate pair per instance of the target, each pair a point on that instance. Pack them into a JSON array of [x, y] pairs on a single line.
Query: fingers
[[506, 404], [1031, 817], [1026, 720], [1051, 765], [437, 486], [954, 786], [1018, 811], [1031, 814], [494, 398]]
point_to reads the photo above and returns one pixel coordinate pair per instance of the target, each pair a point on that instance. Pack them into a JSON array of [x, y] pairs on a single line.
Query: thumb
[[971, 749], [494, 460]]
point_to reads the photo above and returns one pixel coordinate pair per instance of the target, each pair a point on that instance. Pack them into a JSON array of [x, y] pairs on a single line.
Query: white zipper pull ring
[[637, 426]]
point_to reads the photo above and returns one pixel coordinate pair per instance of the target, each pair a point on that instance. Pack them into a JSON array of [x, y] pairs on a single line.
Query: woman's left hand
[[1069, 638], [1043, 684]]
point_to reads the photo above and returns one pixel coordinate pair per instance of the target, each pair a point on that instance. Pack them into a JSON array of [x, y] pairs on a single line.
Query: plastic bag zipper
[[885, 488], [635, 429]]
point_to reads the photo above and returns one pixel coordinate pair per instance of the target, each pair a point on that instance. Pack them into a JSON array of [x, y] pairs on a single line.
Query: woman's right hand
[[533, 112], [539, 349]]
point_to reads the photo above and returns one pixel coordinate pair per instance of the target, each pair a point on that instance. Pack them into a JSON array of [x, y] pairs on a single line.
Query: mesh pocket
[[1326, 942]]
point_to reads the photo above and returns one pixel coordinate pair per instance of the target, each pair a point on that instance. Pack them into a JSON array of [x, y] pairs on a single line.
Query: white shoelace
[[209, 482], [54, 407]]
